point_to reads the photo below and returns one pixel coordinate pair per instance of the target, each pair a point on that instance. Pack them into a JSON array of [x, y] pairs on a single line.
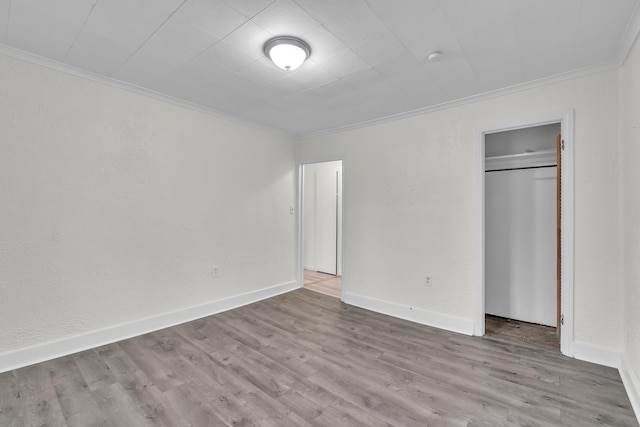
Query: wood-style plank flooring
[[324, 283], [531, 333], [303, 359]]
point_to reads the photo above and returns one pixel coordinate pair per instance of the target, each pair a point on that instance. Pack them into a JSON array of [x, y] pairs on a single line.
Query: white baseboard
[[594, 354], [53, 349], [429, 318], [631, 385]]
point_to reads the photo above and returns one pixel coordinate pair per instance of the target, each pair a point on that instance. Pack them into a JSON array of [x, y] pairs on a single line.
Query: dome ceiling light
[[287, 52], [435, 56]]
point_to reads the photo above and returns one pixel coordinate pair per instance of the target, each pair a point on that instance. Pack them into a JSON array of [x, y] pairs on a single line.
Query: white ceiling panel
[[343, 63], [39, 42], [326, 10], [312, 75], [418, 84], [127, 22], [249, 8], [356, 25], [332, 90], [493, 52], [323, 43], [227, 57], [261, 70], [249, 39], [285, 17], [601, 16], [398, 11], [455, 76], [293, 102], [363, 78], [213, 16], [398, 65], [42, 28], [465, 16], [180, 87], [425, 33], [166, 51], [288, 86], [267, 115], [368, 57], [183, 33], [380, 48], [98, 54], [202, 70]]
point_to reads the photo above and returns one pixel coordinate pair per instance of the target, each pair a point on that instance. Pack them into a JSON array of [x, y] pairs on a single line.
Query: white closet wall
[[520, 238]]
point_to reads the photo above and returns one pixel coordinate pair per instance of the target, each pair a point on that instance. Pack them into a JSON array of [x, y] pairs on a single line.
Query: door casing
[[566, 120], [300, 218]]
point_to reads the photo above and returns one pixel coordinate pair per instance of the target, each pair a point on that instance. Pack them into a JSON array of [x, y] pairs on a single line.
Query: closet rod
[[527, 167]]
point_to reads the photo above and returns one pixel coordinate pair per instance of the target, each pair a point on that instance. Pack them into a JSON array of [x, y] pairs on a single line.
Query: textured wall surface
[[630, 156], [115, 206], [412, 196]]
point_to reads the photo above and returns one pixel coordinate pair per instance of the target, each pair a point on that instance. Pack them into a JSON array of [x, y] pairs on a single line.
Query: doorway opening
[[322, 227], [525, 281], [521, 256]]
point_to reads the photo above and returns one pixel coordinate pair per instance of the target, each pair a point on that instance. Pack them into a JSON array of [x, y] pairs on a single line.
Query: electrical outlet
[[428, 281], [215, 272]]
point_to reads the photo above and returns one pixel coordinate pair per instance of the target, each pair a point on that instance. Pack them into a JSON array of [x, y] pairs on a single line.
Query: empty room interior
[[324, 213]]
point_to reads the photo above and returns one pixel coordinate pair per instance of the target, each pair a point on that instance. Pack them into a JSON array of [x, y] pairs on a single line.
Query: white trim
[[613, 64], [478, 327], [594, 354], [524, 160], [306, 160], [424, 317], [567, 237], [119, 84], [567, 130], [629, 37], [53, 349], [300, 220], [631, 385]]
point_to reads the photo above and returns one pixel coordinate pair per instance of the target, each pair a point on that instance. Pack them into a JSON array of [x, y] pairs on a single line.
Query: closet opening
[[522, 234], [322, 227]]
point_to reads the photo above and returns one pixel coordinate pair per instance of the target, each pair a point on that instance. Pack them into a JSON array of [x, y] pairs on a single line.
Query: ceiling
[[368, 58]]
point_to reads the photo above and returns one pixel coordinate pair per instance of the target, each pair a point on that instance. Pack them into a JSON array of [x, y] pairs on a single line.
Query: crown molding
[[629, 36], [118, 84], [470, 99]]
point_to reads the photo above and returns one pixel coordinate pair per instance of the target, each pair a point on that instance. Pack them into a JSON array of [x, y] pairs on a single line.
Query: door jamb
[[566, 120]]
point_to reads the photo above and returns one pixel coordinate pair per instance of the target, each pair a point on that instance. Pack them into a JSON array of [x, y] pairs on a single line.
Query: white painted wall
[[115, 206], [412, 198], [630, 201], [323, 217], [520, 244]]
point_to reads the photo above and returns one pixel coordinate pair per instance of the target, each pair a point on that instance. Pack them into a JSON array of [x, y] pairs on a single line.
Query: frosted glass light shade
[[287, 53]]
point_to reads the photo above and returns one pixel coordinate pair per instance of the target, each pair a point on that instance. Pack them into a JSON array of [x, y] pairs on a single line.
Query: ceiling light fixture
[[435, 56], [287, 52]]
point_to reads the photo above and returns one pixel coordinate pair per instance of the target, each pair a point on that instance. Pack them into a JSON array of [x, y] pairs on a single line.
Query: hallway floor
[[327, 284]]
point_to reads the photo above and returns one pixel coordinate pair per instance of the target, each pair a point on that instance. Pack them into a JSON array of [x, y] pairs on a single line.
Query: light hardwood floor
[[304, 358], [327, 284]]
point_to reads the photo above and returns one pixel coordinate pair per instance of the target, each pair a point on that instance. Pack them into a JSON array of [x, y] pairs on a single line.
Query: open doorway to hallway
[[327, 284], [322, 227]]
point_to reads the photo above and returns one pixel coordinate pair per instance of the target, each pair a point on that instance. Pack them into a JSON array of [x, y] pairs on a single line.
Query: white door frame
[[301, 163], [566, 120]]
